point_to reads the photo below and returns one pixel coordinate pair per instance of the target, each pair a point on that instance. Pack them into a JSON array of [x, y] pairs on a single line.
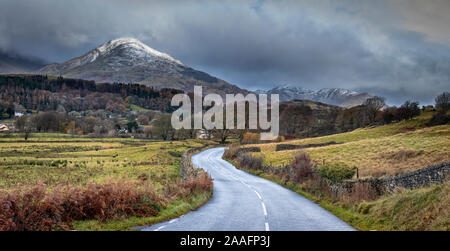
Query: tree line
[[42, 93]]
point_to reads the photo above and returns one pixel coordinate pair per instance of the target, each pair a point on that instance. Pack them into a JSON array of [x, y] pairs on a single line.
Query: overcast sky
[[399, 49]]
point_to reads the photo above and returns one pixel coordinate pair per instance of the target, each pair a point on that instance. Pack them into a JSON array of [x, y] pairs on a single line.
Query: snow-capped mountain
[[333, 96], [128, 60]]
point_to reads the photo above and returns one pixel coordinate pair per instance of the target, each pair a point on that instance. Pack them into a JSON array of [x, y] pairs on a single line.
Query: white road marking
[[232, 176], [172, 221], [264, 208], [159, 228], [259, 196]]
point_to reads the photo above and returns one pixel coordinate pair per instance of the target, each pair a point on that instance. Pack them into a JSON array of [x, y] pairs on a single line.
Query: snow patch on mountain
[[134, 46], [333, 96]]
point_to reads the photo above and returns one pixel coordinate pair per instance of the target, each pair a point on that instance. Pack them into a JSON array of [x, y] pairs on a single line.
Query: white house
[[4, 128]]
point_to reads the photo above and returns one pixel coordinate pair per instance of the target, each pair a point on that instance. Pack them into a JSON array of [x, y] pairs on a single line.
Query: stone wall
[[428, 176], [186, 168], [253, 149], [284, 147]]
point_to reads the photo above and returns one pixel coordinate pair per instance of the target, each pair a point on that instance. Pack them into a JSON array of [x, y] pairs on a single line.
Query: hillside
[[321, 111], [387, 150], [127, 60], [42, 93], [305, 118]]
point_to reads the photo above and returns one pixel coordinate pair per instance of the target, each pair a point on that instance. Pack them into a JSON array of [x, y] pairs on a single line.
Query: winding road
[[243, 202]]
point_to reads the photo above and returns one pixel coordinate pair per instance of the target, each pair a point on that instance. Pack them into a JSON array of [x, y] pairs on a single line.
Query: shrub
[[289, 137], [200, 184], [301, 167], [336, 172], [250, 138], [439, 118], [280, 139], [234, 151], [363, 191], [246, 160], [407, 111], [387, 115], [42, 209], [231, 152], [175, 154]]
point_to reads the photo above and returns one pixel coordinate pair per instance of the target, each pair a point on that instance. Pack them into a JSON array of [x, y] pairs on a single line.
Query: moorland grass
[[378, 151], [62, 160]]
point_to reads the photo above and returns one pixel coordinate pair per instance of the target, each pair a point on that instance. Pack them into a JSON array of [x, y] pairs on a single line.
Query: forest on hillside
[[43, 93]]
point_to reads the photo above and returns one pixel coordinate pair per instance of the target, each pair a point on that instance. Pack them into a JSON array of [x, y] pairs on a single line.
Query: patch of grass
[[137, 108]]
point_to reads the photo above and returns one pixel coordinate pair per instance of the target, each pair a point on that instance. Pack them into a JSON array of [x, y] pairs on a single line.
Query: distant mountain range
[[333, 96], [128, 60], [15, 63]]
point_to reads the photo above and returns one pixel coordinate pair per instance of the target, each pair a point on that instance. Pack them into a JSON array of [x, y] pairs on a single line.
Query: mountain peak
[[128, 60], [134, 46]]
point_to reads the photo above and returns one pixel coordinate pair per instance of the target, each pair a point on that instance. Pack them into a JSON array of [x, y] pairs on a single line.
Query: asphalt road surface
[[243, 202]]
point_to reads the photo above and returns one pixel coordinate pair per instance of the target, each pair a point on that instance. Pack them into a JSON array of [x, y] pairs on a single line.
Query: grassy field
[[379, 151], [59, 159]]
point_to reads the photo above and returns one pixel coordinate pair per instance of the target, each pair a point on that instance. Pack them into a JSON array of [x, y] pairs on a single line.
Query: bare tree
[[222, 134], [443, 102], [163, 127], [372, 107], [296, 119], [148, 132], [143, 119], [20, 123]]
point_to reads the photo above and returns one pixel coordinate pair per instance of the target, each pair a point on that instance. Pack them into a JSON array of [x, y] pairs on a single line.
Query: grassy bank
[[408, 210]]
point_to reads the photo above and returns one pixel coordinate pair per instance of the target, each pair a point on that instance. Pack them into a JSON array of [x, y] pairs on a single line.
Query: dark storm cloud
[[398, 49]]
